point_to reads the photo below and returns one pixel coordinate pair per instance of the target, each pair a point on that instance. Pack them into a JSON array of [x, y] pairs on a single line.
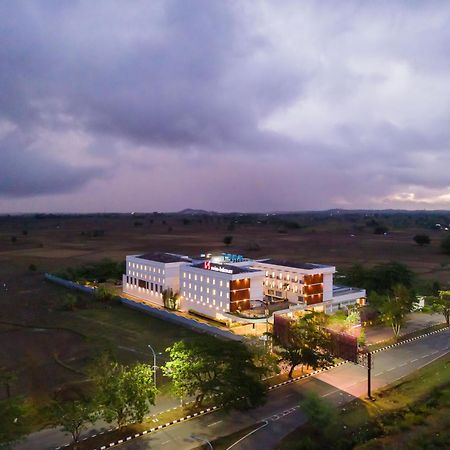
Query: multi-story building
[[148, 275], [302, 283], [220, 286], [210, 289]]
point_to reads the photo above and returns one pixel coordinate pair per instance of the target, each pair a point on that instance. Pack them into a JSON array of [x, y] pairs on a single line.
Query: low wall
[[155, 312]]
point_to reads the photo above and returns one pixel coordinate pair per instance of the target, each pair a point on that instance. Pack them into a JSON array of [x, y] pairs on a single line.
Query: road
[[339, 385]]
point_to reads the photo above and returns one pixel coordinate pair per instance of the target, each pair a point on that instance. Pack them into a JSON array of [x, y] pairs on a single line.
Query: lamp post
[[154, 363], [197, 438]]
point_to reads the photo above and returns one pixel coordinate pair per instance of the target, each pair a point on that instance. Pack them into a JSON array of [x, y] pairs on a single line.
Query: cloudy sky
[[224, 105]]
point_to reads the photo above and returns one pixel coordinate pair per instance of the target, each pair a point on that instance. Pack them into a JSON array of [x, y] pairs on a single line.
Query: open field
[[48, 360]]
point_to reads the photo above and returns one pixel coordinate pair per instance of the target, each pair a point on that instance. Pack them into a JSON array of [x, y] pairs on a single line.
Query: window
[[221, 283], [214, 281], [189, 276], [184, 274], [207, 290], [207, 279], [184, 283], [214, 292], [151, 286], [190, 286], [195, 277]]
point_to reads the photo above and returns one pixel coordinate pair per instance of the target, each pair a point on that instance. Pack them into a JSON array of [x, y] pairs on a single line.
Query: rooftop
[[164, 257], [306, 266], [228, 267]]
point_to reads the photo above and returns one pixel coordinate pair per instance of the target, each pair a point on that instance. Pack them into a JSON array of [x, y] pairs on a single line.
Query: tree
[[396, 306], [445, 245], [204, 367], [227, 240], [72, 416], [171, 299], [441, 304], [307, 343], [103, 294], [123, 393], [421, 239], [262, 357]]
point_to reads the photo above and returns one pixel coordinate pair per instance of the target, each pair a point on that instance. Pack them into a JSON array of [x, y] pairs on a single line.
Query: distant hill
[[196, 212]]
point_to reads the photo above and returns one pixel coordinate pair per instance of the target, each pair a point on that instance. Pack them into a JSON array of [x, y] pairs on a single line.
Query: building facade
[[219, 287]]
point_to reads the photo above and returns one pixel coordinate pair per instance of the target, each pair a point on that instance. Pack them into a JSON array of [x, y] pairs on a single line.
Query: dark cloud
[[357, 93], [25, 171]]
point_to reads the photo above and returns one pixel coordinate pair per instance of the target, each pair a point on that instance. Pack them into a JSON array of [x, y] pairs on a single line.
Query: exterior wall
[[297, 285], [212, 293], [148, 279]]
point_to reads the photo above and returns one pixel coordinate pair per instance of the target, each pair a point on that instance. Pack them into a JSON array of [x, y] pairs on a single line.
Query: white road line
[[214, 423], [247, 435], [165, 442], [378, 374], [414, 360]]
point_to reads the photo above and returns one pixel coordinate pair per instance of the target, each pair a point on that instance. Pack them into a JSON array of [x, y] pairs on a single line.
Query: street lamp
[[197, 438], [154, 363]]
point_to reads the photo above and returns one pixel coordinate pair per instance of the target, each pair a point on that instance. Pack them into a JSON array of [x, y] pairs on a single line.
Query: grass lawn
[[403, 416]]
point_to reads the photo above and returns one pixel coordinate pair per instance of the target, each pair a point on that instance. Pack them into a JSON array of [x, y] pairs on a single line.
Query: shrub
[[381, 229], [227, 240], [32, 268], [421, 239]]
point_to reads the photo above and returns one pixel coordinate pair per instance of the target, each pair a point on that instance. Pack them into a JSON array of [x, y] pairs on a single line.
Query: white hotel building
[[217, 288]]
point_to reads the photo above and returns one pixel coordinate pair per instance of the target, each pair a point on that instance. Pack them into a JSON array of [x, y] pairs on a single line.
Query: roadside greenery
[[123, 394], [12, 422], [203, 367], [410, 414], [100, 272], [441, 304], [306, 343], [72, 416]]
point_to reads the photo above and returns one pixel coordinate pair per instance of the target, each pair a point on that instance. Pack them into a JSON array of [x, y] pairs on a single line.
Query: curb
[[215, 408], [410, 340]]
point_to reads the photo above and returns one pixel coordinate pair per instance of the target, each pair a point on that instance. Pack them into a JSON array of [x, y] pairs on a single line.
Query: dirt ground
[[52, 243]]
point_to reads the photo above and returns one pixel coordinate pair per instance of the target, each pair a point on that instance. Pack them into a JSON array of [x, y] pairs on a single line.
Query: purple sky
[[224, 105]]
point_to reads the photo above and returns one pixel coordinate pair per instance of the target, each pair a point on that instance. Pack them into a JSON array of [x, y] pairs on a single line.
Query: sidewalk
[[415, 321]]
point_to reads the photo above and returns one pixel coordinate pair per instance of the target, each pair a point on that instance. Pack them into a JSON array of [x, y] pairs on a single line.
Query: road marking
[[404, 364], [414, 360], [214, 423], [165, 442], [247, 435], [378, 374]]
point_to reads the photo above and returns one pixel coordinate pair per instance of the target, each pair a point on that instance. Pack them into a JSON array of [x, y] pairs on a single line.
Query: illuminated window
[[195, 296], [201, 277], [220, 293], [221, 283], [189, 276], [214, 281], [267, 273], [214, 292], [273, 274], [184, 274], [207, 279], [201, 288], [195, 287], [184, 283], [190, 286], [195, 277], [207, 290]]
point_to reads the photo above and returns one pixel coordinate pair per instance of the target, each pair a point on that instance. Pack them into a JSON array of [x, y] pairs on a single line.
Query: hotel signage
[[216, 268]]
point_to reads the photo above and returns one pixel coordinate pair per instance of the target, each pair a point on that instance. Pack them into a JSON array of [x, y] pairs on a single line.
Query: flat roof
[[163, 257], [297, 265], [234, 269]]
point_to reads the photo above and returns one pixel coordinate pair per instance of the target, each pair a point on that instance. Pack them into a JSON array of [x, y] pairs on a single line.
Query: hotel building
[[221, 286]]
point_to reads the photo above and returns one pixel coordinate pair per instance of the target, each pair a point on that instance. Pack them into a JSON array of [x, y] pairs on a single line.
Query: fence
[[162, 314]]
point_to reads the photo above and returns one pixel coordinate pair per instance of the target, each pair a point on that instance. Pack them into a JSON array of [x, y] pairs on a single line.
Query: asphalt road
[[282, 411]]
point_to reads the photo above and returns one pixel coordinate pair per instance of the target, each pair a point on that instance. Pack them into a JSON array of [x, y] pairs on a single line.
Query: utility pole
[[154, 363], [369, 375]]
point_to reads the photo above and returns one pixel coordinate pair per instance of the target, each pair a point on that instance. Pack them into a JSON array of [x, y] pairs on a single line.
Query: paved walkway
[[415, 321]]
